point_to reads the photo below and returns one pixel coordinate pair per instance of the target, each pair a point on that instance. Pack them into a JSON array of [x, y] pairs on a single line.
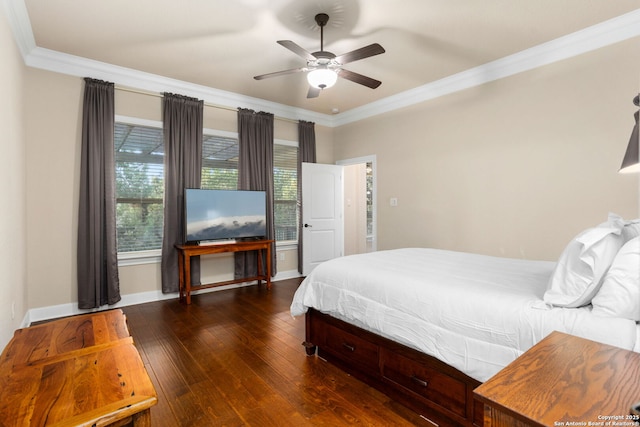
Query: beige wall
[[53, 153], [13, 293], [515, 167]]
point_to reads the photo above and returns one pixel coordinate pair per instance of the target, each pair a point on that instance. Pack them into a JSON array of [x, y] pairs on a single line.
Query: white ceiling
[[222, 44]]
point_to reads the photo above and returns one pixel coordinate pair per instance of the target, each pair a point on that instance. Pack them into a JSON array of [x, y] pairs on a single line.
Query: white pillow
[[614, 220], [619, 295], [583, 264], [631, 229]]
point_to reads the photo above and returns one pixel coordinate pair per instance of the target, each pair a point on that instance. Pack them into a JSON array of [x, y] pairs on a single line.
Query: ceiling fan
[[324, 67]]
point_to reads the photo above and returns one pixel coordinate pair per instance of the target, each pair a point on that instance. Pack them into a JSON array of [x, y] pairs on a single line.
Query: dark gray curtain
[[255, 172], [306, 154], [182, 127], [98, 282]]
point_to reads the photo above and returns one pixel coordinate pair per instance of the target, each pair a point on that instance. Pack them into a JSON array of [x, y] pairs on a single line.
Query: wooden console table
[[77, 371], [185, 252], [564, 380]]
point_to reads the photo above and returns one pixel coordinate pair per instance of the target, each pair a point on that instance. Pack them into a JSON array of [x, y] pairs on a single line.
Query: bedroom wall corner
[[54, 121], [13, 227], [325, 140]]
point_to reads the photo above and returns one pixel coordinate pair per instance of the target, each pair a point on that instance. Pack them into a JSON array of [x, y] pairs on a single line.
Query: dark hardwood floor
[[234, 358]]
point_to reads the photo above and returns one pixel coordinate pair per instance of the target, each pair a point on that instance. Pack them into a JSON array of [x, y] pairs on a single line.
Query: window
[[220, 172], [285, 189], [139, 187], [140, 181], [219, 162]]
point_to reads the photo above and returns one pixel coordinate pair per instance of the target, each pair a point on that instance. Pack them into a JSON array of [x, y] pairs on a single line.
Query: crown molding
[[20, 24], [59, 62], [603, 34], [606, 33]]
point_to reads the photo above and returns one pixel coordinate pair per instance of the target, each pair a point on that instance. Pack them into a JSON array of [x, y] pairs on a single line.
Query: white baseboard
[[71, 309]]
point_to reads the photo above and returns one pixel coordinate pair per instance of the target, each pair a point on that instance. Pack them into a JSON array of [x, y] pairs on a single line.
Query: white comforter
[[474, 312]]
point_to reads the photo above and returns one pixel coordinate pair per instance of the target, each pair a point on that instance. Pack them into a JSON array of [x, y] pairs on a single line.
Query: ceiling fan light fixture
[[323, 67], [322, 78]]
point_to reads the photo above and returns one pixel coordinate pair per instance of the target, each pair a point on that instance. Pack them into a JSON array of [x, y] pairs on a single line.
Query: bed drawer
[[352, 348], [423, 382]]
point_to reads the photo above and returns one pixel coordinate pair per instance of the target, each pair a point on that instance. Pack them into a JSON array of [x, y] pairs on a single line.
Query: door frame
[[374, 196]]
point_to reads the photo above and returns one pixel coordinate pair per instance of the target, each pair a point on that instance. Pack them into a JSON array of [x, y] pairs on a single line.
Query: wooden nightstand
[[563, 381]]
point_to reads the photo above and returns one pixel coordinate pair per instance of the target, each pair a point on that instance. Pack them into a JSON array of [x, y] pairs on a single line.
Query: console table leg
[[187, 278], [260, 266], [268, 262], [181, 275]]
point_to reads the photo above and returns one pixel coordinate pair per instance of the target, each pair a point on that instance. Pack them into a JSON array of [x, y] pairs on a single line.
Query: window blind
[[139, 187]]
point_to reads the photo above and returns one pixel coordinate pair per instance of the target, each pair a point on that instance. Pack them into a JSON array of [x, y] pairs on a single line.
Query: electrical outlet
[[280, 256]]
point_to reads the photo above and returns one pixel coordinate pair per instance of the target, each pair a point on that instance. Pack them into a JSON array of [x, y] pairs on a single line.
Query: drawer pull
[[420, 382], [349, 347]]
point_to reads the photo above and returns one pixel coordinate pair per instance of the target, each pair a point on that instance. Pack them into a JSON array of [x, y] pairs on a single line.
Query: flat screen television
[[218, 215]]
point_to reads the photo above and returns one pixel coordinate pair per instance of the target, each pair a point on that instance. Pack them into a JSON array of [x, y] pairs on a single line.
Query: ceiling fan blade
[[293, 47], [359, 78], [281, 73], [314, 92], [363, 52]]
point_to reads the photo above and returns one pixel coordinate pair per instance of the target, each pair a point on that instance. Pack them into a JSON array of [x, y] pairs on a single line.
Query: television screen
[[224, 214]]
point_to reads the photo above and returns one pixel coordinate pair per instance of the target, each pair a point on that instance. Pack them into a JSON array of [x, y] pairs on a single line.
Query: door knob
[[307, 225]]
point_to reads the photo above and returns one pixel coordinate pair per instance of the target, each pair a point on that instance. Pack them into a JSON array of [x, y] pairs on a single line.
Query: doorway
[[359, 205]]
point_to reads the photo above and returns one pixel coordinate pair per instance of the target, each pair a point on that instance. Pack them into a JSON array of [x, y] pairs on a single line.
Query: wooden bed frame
[[433, 389]]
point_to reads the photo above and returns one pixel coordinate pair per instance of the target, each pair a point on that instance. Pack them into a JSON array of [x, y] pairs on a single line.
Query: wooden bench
[[77, 371]]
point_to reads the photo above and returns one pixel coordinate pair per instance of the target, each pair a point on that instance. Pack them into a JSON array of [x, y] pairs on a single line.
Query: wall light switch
[[393, 201]]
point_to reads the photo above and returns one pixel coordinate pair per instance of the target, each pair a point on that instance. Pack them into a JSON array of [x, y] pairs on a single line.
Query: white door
[[322, 214]]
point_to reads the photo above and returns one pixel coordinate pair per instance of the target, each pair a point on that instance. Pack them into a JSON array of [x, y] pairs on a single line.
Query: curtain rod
[[220, 107]]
